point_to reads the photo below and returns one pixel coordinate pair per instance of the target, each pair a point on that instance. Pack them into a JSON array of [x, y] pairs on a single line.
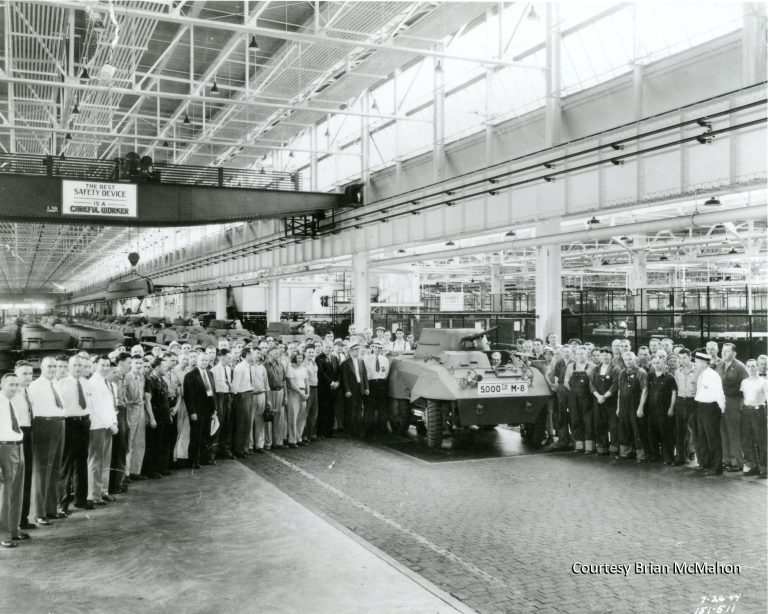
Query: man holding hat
[[710, 405], [377, 366]]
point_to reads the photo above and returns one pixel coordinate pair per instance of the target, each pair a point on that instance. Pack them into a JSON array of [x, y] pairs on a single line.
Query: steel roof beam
[[299, 37]]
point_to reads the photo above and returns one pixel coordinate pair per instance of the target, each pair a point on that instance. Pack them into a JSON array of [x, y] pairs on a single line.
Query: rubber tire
[[487, 427], [533, 432], [404, 415], [434, 419]]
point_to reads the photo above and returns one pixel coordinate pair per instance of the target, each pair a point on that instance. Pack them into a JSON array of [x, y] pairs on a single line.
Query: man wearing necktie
[[23, 371], [377, 366], [199, 400], [74, 392], [222, 382], [47, 442], [103, 427], [354, 385], [11, 464]]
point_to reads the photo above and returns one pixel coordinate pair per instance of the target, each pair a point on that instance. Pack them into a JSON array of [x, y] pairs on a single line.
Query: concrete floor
[[218, 540]]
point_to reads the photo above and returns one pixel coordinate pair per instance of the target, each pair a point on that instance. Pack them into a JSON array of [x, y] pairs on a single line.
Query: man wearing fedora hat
[[710, 405]]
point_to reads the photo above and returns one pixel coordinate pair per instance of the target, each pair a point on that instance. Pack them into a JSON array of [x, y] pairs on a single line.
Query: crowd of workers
[[665, 403], [90, 425]]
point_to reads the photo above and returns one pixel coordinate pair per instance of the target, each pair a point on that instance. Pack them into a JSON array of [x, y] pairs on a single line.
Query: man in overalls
[[580, 402], [605, 386], [662, 392], [633, 390]]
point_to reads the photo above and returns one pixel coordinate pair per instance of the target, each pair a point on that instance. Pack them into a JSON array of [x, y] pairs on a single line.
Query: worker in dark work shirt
[[580, 401], [558, 369], [633, 390], [604, 382], [662, 392]]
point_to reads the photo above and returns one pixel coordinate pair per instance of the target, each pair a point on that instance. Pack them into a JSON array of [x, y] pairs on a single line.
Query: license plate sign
[[501, 389]]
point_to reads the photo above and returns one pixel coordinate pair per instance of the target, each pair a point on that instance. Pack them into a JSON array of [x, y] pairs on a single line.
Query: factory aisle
[[218, 540]]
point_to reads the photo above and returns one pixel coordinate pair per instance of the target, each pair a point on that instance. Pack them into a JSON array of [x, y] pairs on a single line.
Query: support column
[[361, 290], [313, 179], [365, 139], [438, 145], [497, 288], [753, 61], [396, 108], [553, 110], [273, 300], [221, 304], [548, 283]]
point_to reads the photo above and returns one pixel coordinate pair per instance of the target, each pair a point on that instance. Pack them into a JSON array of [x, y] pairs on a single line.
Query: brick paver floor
[[503, 534]]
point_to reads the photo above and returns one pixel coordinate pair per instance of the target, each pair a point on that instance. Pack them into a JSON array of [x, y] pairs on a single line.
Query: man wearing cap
[[732, 372], [354, 385], [377, 366], [137, 350], [381, 336], [710, 405]]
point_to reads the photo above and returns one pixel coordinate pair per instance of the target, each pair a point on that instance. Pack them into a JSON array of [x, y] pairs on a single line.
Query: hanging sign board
[[98, 199], [451, 301]]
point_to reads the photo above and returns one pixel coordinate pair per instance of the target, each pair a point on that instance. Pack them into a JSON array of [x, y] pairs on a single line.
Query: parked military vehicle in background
[[448, 384], [292, 332]]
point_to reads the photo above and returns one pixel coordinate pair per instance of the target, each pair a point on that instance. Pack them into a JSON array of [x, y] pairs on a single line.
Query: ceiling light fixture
[[450, 244], [511, 233], [290, 154], [401, 251], [68, 137], [439, 68], [705, 139], [186, 119], [617, 147], [374, 106], [76, 109], [712, 202], [663, 257], [733, 251], [165, 144], [617, 162], [84, 76], [532, 14], [605, 262], [215, 89], [253, 45], [593, 221]]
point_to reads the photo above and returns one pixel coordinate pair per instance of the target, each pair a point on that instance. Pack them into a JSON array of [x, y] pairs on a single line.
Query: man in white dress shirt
[[47, 442], [74, 392], [11, 464], [103, 426], [377, 366], [242, 389], [710, 405], [23, 371], [222, 382], [260, 383]]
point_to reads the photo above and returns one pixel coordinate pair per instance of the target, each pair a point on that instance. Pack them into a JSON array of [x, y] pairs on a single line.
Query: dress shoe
[[20, 537], [301, 443], [83, 506], [239, 455], [228, 454], [753, 471], [137, 477], [196, 466], [292, 445], [154, 476], [712, 472], [63, 510], [96, 502], [8, 544], [280, 447], [127, 480], [27, 526], [43, 521], [57, 515], [267, 448], [107, 498], [260, 450], [209, 462]]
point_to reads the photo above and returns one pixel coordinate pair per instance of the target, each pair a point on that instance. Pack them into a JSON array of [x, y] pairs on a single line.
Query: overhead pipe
[[749, 213]]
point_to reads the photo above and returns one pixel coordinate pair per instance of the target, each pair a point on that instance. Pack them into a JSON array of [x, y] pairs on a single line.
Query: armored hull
[[450, 383]]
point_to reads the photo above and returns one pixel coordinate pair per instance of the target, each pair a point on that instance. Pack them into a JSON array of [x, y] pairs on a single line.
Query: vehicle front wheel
[[434, 423]]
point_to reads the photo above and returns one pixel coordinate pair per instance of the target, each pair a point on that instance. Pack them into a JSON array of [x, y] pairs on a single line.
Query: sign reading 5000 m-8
[[95, 198]]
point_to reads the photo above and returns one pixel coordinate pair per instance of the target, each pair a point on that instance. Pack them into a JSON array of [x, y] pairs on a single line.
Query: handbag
[[268, 415]]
